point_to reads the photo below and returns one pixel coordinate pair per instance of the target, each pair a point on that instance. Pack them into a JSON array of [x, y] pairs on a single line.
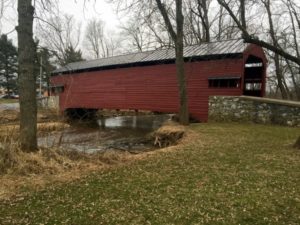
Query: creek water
[[125, 133]]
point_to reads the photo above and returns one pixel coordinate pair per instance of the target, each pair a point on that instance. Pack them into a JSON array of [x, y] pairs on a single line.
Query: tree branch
[[255, 40], [164, 14]]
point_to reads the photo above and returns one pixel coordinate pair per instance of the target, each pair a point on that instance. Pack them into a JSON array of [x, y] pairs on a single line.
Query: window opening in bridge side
[[224, 82], [55, 90], [253, 77]]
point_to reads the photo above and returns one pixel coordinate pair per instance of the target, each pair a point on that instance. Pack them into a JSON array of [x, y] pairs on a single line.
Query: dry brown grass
[[55, 166], [52, 126], [19, 170], [10, 132], [169, 134], [9, 116], [36, 170]]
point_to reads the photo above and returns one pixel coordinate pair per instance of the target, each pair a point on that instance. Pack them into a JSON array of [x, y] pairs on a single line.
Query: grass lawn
[[227, 174], [5, 101]]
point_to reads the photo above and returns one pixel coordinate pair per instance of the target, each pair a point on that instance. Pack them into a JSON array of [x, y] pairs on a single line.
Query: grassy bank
[[223, 174], [6, 101]]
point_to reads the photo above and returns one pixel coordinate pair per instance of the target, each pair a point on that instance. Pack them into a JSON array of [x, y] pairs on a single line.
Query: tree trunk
[[278, 71], [243, 14], [184, 111], [297, 143], [27, 80], [206, 23], [220, 23], [178, 39], [203, 14], [280, 78], [7, 77]]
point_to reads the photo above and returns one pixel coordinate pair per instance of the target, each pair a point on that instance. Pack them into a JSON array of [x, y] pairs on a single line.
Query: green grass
[[6, 101], [230, 174]]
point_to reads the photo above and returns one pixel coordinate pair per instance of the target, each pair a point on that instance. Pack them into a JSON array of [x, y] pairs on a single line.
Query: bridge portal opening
[[253, 76]]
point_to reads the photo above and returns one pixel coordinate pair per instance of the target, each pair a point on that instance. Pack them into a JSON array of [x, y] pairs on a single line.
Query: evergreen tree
[[71, 55], [8, 64], [45, 66]]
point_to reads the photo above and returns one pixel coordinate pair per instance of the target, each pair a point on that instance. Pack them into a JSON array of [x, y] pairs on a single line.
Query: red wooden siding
[[151, 88]]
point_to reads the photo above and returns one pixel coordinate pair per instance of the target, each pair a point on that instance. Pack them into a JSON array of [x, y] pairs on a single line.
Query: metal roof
[[228, 47]]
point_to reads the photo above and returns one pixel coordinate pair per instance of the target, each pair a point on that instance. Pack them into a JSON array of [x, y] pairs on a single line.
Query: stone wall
[[51, 102], [253, 109]]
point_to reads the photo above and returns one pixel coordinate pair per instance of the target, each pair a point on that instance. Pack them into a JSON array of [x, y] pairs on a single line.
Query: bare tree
[[223, 27], [27, 80], [220, 23], [137, 34], [278, 68], [294, 13], [202, 13], [144, 29], [158, 36], [2, 8], [178, 40], [94, 36], [96, 39], [243, 14], [58, 33], [5, 5], [248, 37]]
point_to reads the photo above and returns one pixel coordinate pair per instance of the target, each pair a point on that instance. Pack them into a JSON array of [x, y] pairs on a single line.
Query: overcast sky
[[93, 9]]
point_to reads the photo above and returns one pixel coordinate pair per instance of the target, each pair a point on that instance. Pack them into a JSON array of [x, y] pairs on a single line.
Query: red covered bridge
[[147, 80]]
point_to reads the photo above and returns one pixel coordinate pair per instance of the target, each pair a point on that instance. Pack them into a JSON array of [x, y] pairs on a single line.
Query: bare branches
[[95, 36], [166, 18], [202, 13], [5, 7], [60, 33], [97, 41], [255, 40]]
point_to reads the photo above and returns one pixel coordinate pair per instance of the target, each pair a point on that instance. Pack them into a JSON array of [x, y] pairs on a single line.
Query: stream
[[125, 133]]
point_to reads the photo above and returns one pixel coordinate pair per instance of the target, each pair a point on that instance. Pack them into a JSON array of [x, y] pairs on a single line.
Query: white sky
[[92, 9]]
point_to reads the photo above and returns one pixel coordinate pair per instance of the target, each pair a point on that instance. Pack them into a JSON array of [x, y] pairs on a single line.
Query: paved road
[[11, 106]]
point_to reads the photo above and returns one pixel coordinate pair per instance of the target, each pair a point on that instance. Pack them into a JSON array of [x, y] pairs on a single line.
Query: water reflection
[[147, 122]]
